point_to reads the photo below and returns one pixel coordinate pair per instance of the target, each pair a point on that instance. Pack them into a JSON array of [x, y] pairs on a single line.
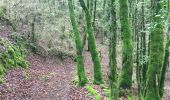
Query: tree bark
[[80, 60], [127, 46], [113, 77], [98, 75]]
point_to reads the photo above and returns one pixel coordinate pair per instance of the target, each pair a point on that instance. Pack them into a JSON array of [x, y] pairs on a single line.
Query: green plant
[[132, 97], [12, 56], [94, 92]]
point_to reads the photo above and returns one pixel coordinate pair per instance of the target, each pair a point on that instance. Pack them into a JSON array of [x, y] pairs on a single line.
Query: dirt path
[[46, 79]]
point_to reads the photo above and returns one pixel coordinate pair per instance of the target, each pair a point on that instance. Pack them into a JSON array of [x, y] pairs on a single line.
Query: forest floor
[[52, 79]]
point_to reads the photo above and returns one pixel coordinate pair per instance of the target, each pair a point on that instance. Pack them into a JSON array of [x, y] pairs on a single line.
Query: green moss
[[94, 92], [12, 57], [11, 62], [156, 57], [22, 63], [11, 51], [80, 60], [2, 70], [127, 46], [113, 76], [132, 97], [1, 80], [98, 75], [81, 70]]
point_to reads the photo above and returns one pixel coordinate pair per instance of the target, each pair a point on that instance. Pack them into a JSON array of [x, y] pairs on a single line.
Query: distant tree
[[80, 60]]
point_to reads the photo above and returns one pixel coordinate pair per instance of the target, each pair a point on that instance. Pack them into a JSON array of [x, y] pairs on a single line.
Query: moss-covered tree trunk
[[166, 56], [80, 60], [164, 69], [113, 77], [156, 53], [127, 48], [98, 76]]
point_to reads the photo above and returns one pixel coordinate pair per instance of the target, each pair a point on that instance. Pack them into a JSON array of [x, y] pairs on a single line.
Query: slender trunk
[[164, 69], [144, 69], [80, 60], [113, 77]]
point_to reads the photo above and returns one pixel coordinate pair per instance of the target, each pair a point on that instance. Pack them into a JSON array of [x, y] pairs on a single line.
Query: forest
[[84, 49]]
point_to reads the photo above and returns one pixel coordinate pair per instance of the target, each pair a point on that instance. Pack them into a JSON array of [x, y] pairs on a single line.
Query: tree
[[113, 77], [98, 76], [140, 31], [166, 56], [156, 53], [80, 60], [127, 48]]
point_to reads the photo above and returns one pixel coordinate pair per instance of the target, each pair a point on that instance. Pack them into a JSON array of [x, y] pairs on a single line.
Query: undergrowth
[[12, 55]]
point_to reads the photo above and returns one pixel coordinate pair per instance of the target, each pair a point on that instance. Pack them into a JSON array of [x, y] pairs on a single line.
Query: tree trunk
[[98, 76], [80, 60], [113, 77], [127, 48], [156, 54]]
